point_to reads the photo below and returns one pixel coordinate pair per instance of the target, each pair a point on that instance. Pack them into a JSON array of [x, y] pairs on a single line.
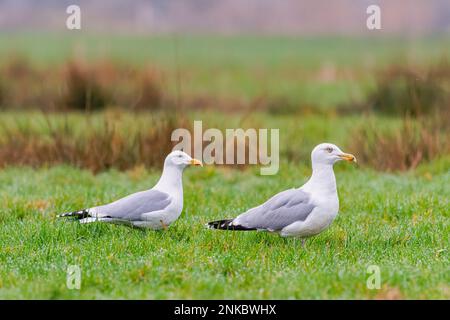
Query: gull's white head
[[181, 160], [329, 154]]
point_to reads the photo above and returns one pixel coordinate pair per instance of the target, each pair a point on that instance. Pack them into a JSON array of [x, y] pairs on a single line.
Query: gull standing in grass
[[155, 209], [301, 212]]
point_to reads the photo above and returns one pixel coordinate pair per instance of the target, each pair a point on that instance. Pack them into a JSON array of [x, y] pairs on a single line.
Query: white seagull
[[301, 212], [155, 209]]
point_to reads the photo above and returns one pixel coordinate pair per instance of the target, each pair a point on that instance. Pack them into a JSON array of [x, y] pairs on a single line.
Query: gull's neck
[[171, 180], [322, 179]]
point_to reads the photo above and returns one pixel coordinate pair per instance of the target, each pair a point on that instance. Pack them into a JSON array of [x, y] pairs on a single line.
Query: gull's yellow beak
[[347, 157], [196, 162]]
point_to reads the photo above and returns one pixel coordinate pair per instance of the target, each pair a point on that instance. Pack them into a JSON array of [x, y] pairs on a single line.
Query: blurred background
[[109, 95], [232, 17]]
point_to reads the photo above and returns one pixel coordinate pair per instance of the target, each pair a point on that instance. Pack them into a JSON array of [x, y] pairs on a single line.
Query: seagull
[[155, 208], [298, 212]]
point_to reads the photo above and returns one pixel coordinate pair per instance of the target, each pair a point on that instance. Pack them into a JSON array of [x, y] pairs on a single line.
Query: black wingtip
[[219, 224], [227, 224], [75, 214]]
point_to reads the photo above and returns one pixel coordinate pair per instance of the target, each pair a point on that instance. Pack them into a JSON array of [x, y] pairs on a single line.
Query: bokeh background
[[86, 118], [142, 68]]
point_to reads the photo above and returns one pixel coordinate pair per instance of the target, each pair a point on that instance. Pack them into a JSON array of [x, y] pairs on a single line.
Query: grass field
[[397, 220]]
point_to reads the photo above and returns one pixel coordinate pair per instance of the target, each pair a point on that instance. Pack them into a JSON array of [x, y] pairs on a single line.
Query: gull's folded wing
[[278, 212], [134, 206]]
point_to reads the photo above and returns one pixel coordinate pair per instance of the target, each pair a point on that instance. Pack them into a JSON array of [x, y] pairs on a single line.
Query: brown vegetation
[[404, 147], [78, 85], [420, 96], [407, 91], [82, 88], [96, 149]]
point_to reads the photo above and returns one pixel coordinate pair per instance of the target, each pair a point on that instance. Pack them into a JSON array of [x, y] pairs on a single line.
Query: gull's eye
[[180, 156], [329, 149]]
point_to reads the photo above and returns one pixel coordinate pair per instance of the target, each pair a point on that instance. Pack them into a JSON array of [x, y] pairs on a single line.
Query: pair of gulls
[[298, 212]]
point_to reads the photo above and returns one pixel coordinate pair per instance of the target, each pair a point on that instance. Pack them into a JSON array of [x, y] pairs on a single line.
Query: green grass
[[398, 222], [215, 51]]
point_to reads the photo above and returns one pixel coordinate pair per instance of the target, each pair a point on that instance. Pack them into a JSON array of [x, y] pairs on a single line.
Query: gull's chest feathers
[[176, 206], [322, 188], [327, 207], [326, 210], [327, 200]]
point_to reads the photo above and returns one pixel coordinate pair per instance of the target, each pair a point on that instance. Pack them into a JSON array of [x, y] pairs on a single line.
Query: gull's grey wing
[[278, 212], [134, 206]]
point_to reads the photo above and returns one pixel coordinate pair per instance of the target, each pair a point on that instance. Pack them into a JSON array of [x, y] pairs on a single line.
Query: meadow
[[397, 222], [56, 155]]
